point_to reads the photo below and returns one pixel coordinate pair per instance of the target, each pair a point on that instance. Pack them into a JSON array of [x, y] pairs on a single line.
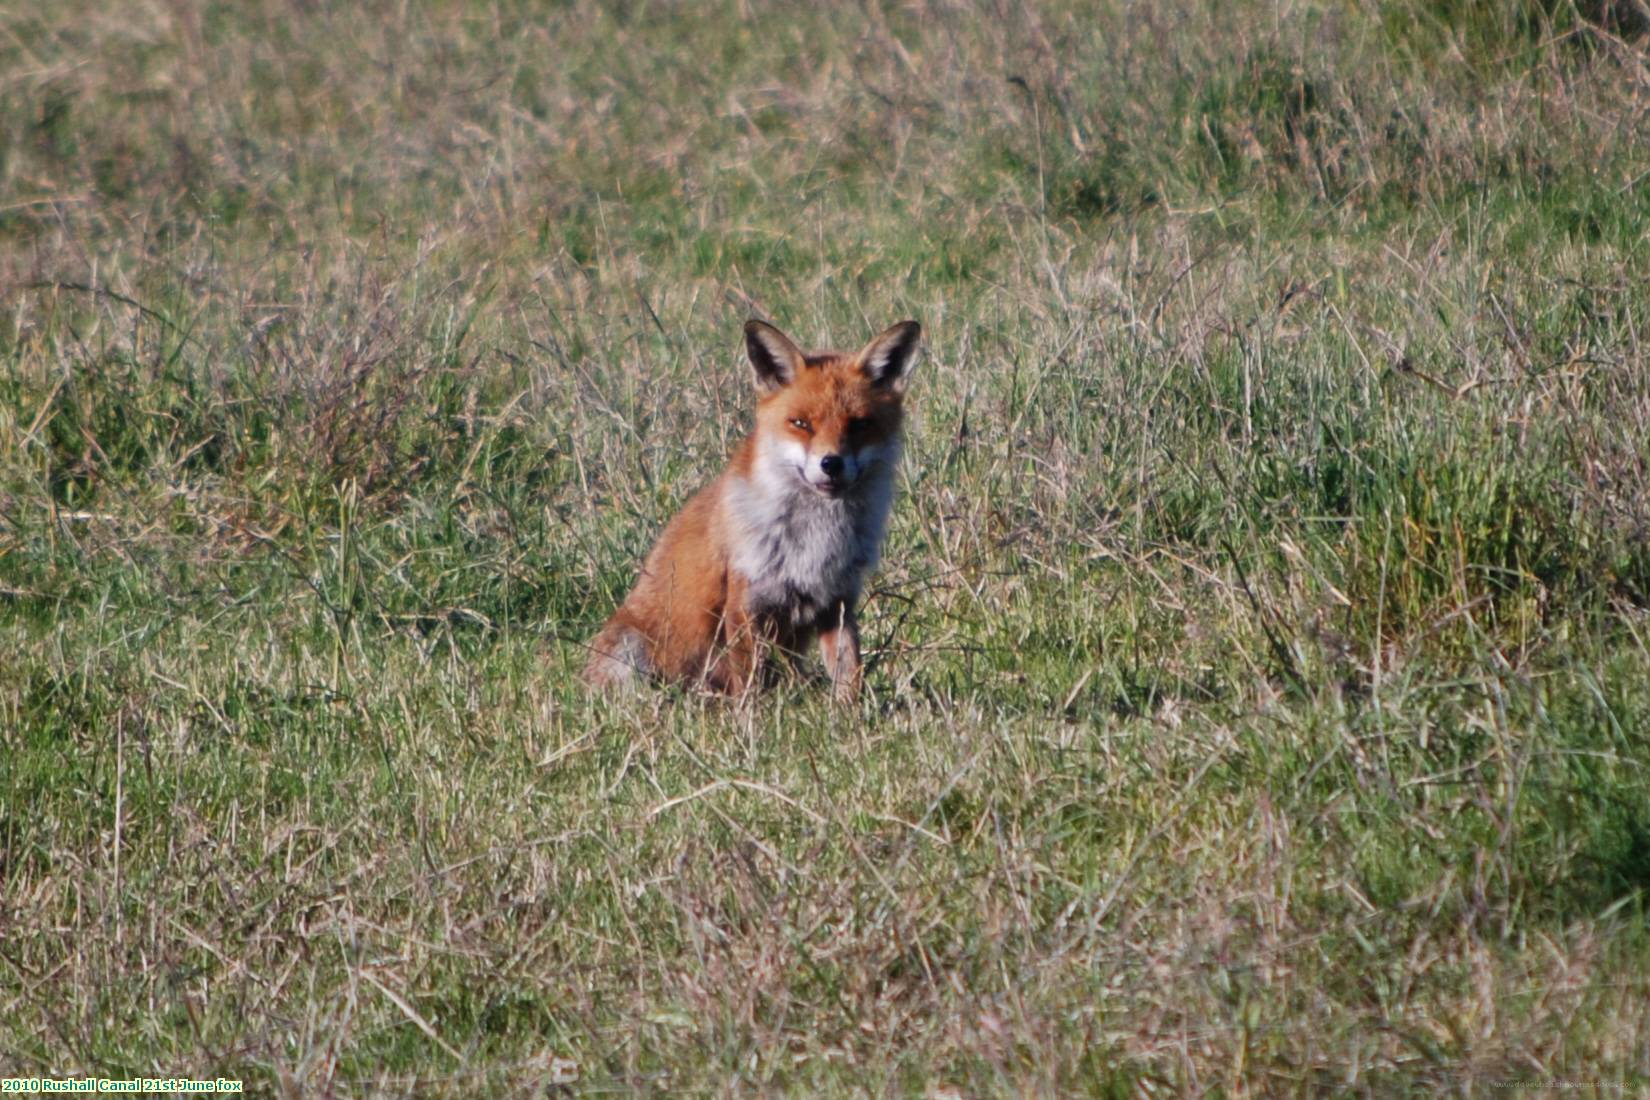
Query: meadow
[[1258, 673]]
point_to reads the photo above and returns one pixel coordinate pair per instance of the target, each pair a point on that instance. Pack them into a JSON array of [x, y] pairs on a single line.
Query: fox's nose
[[831, 465]]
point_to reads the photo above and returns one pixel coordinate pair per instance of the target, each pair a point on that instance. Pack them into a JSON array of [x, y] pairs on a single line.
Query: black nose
[[830, 465]]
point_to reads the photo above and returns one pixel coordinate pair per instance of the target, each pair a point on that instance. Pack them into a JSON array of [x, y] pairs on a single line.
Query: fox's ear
[[775, 359], [888, 359]]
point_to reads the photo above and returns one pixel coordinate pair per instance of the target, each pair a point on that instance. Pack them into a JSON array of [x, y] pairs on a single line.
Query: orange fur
[[771, 555]]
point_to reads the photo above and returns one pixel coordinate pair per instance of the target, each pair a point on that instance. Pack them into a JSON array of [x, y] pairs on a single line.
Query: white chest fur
[[801, 552]]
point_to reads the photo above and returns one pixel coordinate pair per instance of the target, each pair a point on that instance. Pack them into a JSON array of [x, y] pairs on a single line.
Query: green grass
[[1259, 670]]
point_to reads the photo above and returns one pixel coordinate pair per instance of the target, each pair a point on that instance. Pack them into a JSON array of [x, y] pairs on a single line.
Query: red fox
[[772, 553]]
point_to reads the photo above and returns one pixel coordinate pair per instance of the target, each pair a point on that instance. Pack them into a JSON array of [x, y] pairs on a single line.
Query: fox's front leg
[[839, 643], [736, 659]]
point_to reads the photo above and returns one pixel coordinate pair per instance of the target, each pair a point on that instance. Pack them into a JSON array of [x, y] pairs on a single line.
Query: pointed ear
[[773, 356], [888, 359]]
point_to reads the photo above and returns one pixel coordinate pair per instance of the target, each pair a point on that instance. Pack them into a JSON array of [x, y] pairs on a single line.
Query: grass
[[1260, 667]]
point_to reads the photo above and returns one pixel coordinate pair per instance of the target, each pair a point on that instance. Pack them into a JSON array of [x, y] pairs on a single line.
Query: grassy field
[[1259, 690]]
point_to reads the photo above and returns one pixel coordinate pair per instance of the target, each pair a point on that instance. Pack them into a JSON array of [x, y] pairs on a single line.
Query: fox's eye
[[857, 425], [801, 425]]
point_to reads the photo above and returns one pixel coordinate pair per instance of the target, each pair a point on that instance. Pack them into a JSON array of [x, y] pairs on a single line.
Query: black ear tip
[[756, 338]]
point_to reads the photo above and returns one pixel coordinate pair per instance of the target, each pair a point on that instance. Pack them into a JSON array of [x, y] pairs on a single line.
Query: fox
[[772, 555]]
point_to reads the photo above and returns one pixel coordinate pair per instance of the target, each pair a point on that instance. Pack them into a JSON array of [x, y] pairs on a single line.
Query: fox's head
[[831, 420]]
